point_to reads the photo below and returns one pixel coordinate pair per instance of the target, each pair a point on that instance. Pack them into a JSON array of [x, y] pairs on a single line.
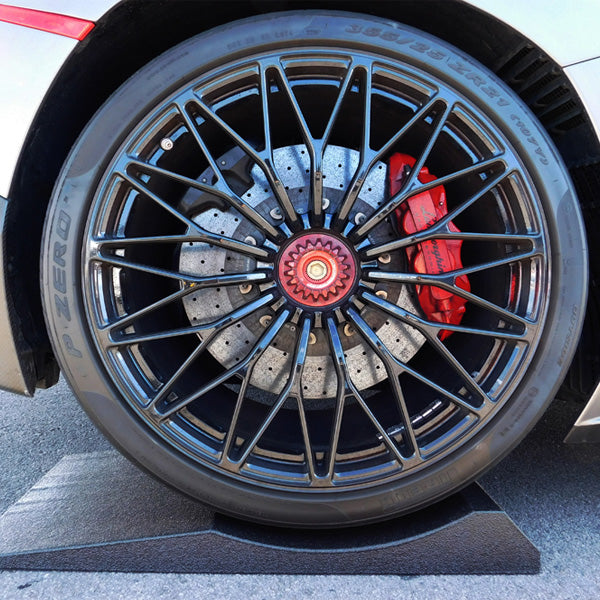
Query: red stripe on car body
[[71, 27]]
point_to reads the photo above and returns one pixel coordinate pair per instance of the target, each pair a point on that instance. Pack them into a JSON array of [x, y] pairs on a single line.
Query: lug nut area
[[317, 270]]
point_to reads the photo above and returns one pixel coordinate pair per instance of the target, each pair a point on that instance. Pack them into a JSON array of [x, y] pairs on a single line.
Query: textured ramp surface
[[97, 512]]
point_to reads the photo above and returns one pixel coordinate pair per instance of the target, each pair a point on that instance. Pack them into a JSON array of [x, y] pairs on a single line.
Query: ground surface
[[551, 490]]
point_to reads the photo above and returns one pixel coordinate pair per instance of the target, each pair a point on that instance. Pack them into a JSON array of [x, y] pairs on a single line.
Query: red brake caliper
[[433, 256]]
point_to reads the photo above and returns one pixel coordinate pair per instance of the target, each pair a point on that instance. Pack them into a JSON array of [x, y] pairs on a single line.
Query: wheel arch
[[112, 52]]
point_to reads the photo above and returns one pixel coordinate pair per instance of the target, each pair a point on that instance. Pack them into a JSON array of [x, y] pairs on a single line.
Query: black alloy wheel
[[237, 303]]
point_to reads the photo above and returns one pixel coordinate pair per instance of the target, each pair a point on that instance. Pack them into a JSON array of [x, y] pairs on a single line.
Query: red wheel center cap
[[317, 270]]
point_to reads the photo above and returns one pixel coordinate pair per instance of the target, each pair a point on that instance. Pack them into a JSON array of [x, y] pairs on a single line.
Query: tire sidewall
[[74, 194]]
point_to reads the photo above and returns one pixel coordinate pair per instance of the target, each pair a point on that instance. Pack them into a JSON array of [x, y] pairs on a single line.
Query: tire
[[327, 392]]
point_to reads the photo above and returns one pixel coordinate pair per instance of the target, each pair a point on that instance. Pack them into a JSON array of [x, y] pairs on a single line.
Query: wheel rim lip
[[540, 323]]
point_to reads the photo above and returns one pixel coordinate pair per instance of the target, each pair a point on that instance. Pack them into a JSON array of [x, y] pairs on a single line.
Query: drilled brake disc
[[319, 380]]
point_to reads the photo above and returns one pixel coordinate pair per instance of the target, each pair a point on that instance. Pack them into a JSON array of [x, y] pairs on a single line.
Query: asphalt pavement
[[551, 491]]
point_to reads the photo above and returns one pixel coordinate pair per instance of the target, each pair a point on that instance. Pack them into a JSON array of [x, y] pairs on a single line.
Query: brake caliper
[[432, 256]]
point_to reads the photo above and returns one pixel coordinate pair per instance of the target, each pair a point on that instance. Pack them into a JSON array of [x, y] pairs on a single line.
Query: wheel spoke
[[199, 281], [467, 378], [290, 389], [312, 145], [133, 339], [450, 277], [342, 95], [298, 392], [346, 387], [413, 186], [124, 242], [126, 320], [431, 334], [411, 182], [416, 187], [123, 263], [366, 157], [220, 189], [231, 432], [268, 161], [205, 238], [246, 373], [315, 146], [308, 450], [492, 264], [199, 232], [534, 239], [340, 397], [265, 163], [393, 369], [441, 229], [240, 369], [211, 332], [490, 183], [142, 189], [396, 367], [369, 157], [448, 284], [435, 327]]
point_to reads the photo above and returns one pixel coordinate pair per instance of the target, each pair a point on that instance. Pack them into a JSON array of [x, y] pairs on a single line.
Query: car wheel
[[314, 269]]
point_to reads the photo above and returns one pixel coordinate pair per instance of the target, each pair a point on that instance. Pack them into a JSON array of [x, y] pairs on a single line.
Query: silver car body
[[566, 35]]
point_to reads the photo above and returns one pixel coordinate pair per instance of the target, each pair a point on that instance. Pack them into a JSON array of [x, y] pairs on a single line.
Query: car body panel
[[13, 374], [566, 31], [26, 79], [584, 77], [23, 85], [90, 10], [587, 427]]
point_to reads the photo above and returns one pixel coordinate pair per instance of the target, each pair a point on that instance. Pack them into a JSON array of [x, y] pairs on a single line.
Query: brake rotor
[[319, 380]]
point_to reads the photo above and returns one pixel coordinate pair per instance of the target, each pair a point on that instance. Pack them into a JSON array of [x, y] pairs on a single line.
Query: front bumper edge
[[17, 374], [587, 426]]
